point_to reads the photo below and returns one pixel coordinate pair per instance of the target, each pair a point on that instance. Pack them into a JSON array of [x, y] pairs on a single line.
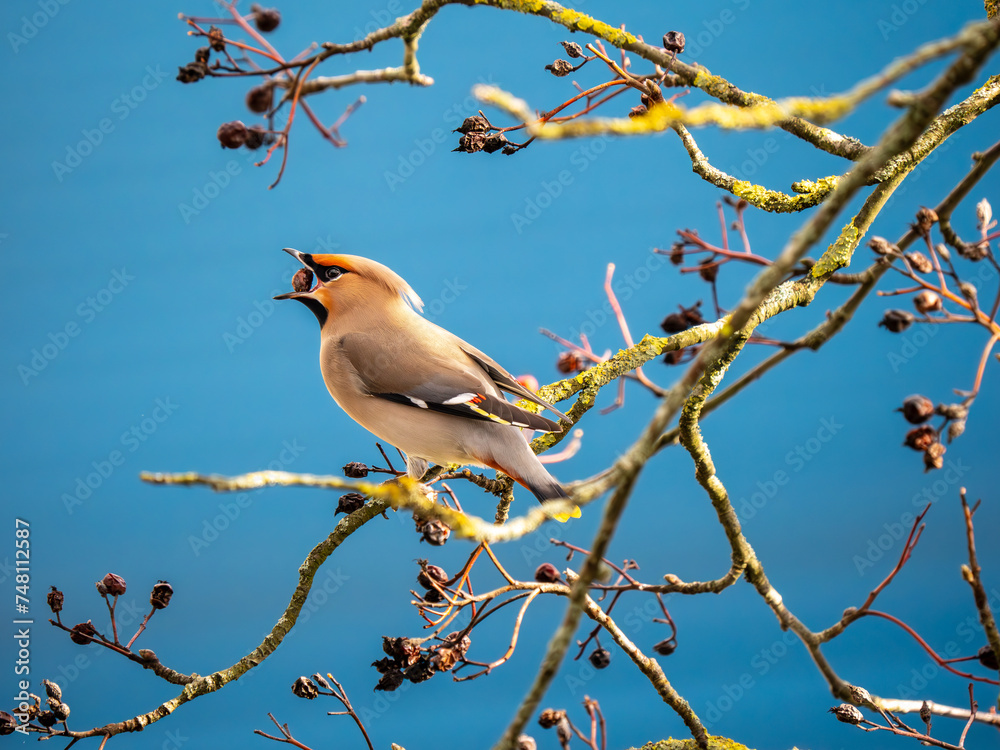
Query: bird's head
[[350, 282]]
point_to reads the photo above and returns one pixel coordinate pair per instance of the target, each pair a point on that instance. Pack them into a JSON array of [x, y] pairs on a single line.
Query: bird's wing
[[446, 385], [505, 381]]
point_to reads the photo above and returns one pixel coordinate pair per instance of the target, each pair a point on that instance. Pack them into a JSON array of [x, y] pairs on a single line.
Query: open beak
[[306, 260]]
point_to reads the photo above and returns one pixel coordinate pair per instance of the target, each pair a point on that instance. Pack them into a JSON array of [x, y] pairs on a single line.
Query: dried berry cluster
[[917, 410], [409, 659], [477, 135]]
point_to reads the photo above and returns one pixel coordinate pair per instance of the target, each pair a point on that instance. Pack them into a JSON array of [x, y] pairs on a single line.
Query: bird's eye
[[332, 273]]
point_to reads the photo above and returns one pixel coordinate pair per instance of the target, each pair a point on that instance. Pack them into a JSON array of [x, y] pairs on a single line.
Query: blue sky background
[[187, 349]]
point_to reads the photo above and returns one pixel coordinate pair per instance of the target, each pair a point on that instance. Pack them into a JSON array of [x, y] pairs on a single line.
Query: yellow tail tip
[[564, 517]]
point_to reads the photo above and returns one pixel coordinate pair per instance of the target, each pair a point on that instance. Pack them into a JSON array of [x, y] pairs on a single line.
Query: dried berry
[[265, 19], [8, 724], [666, 647], [708, 271], [926, 218], [420, 671], [60, 710], [882, 246], [494, 142], [974, 251], [569, 362], [987, 658], [955, 429], [917, 409], [673, 42], [114, 584], [101, 588], [460, 643], [927, 301], [470, 143], [47, 719], [674, 323], [55, 600], [192, 72], [970, 292], [547, 573], [934, 456], [302, 282], [550, 717], [257, 136], [508, 150], [920, 438], [435, 532], [952, 411], [232, 134], [216, 38], [674, 357], [350, 502], [920, 262], [403, 650], [573, 49], [443, 659], [305, 688], [560, 68], [429, 573], [52, 690], [201, 55], [433, 596], [390, 681], [385, 664], [859, 695], [600, 658], [637, 111], [159, 597], [475, 124], [677, 253], [896, 321], [925, 713], [355, 470], [259, 98], [847, 713], [83, 633]]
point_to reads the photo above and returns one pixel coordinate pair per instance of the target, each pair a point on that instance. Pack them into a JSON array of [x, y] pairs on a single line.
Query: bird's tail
[[547, 488]]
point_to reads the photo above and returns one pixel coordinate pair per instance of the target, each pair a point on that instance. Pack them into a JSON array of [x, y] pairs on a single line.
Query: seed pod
[[115, 584], [216, 39], [52, 690], [560, 68], [83, 633], [159, 597], [987, 658], [550, 717], [470, 143], [259, 98], [494, 142], [429, 573], [600, 658], [460, 644], [55, 600], [970, 292], [101, 588], [920, 438], [917, 409], [435, 532], [305, 688], [232, 134], [952, 411], [847, 713], [925, 712], [896, 321], [673, 42], [927, 301], [355, 470], [350, 502], [920, 262], [265, 19], [547, 573], [321, 681], [573, 49]]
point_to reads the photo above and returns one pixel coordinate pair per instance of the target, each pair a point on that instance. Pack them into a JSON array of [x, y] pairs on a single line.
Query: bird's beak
[[307, 298]]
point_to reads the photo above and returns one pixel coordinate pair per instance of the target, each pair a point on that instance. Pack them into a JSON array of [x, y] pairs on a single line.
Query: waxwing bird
[[414, 384]]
